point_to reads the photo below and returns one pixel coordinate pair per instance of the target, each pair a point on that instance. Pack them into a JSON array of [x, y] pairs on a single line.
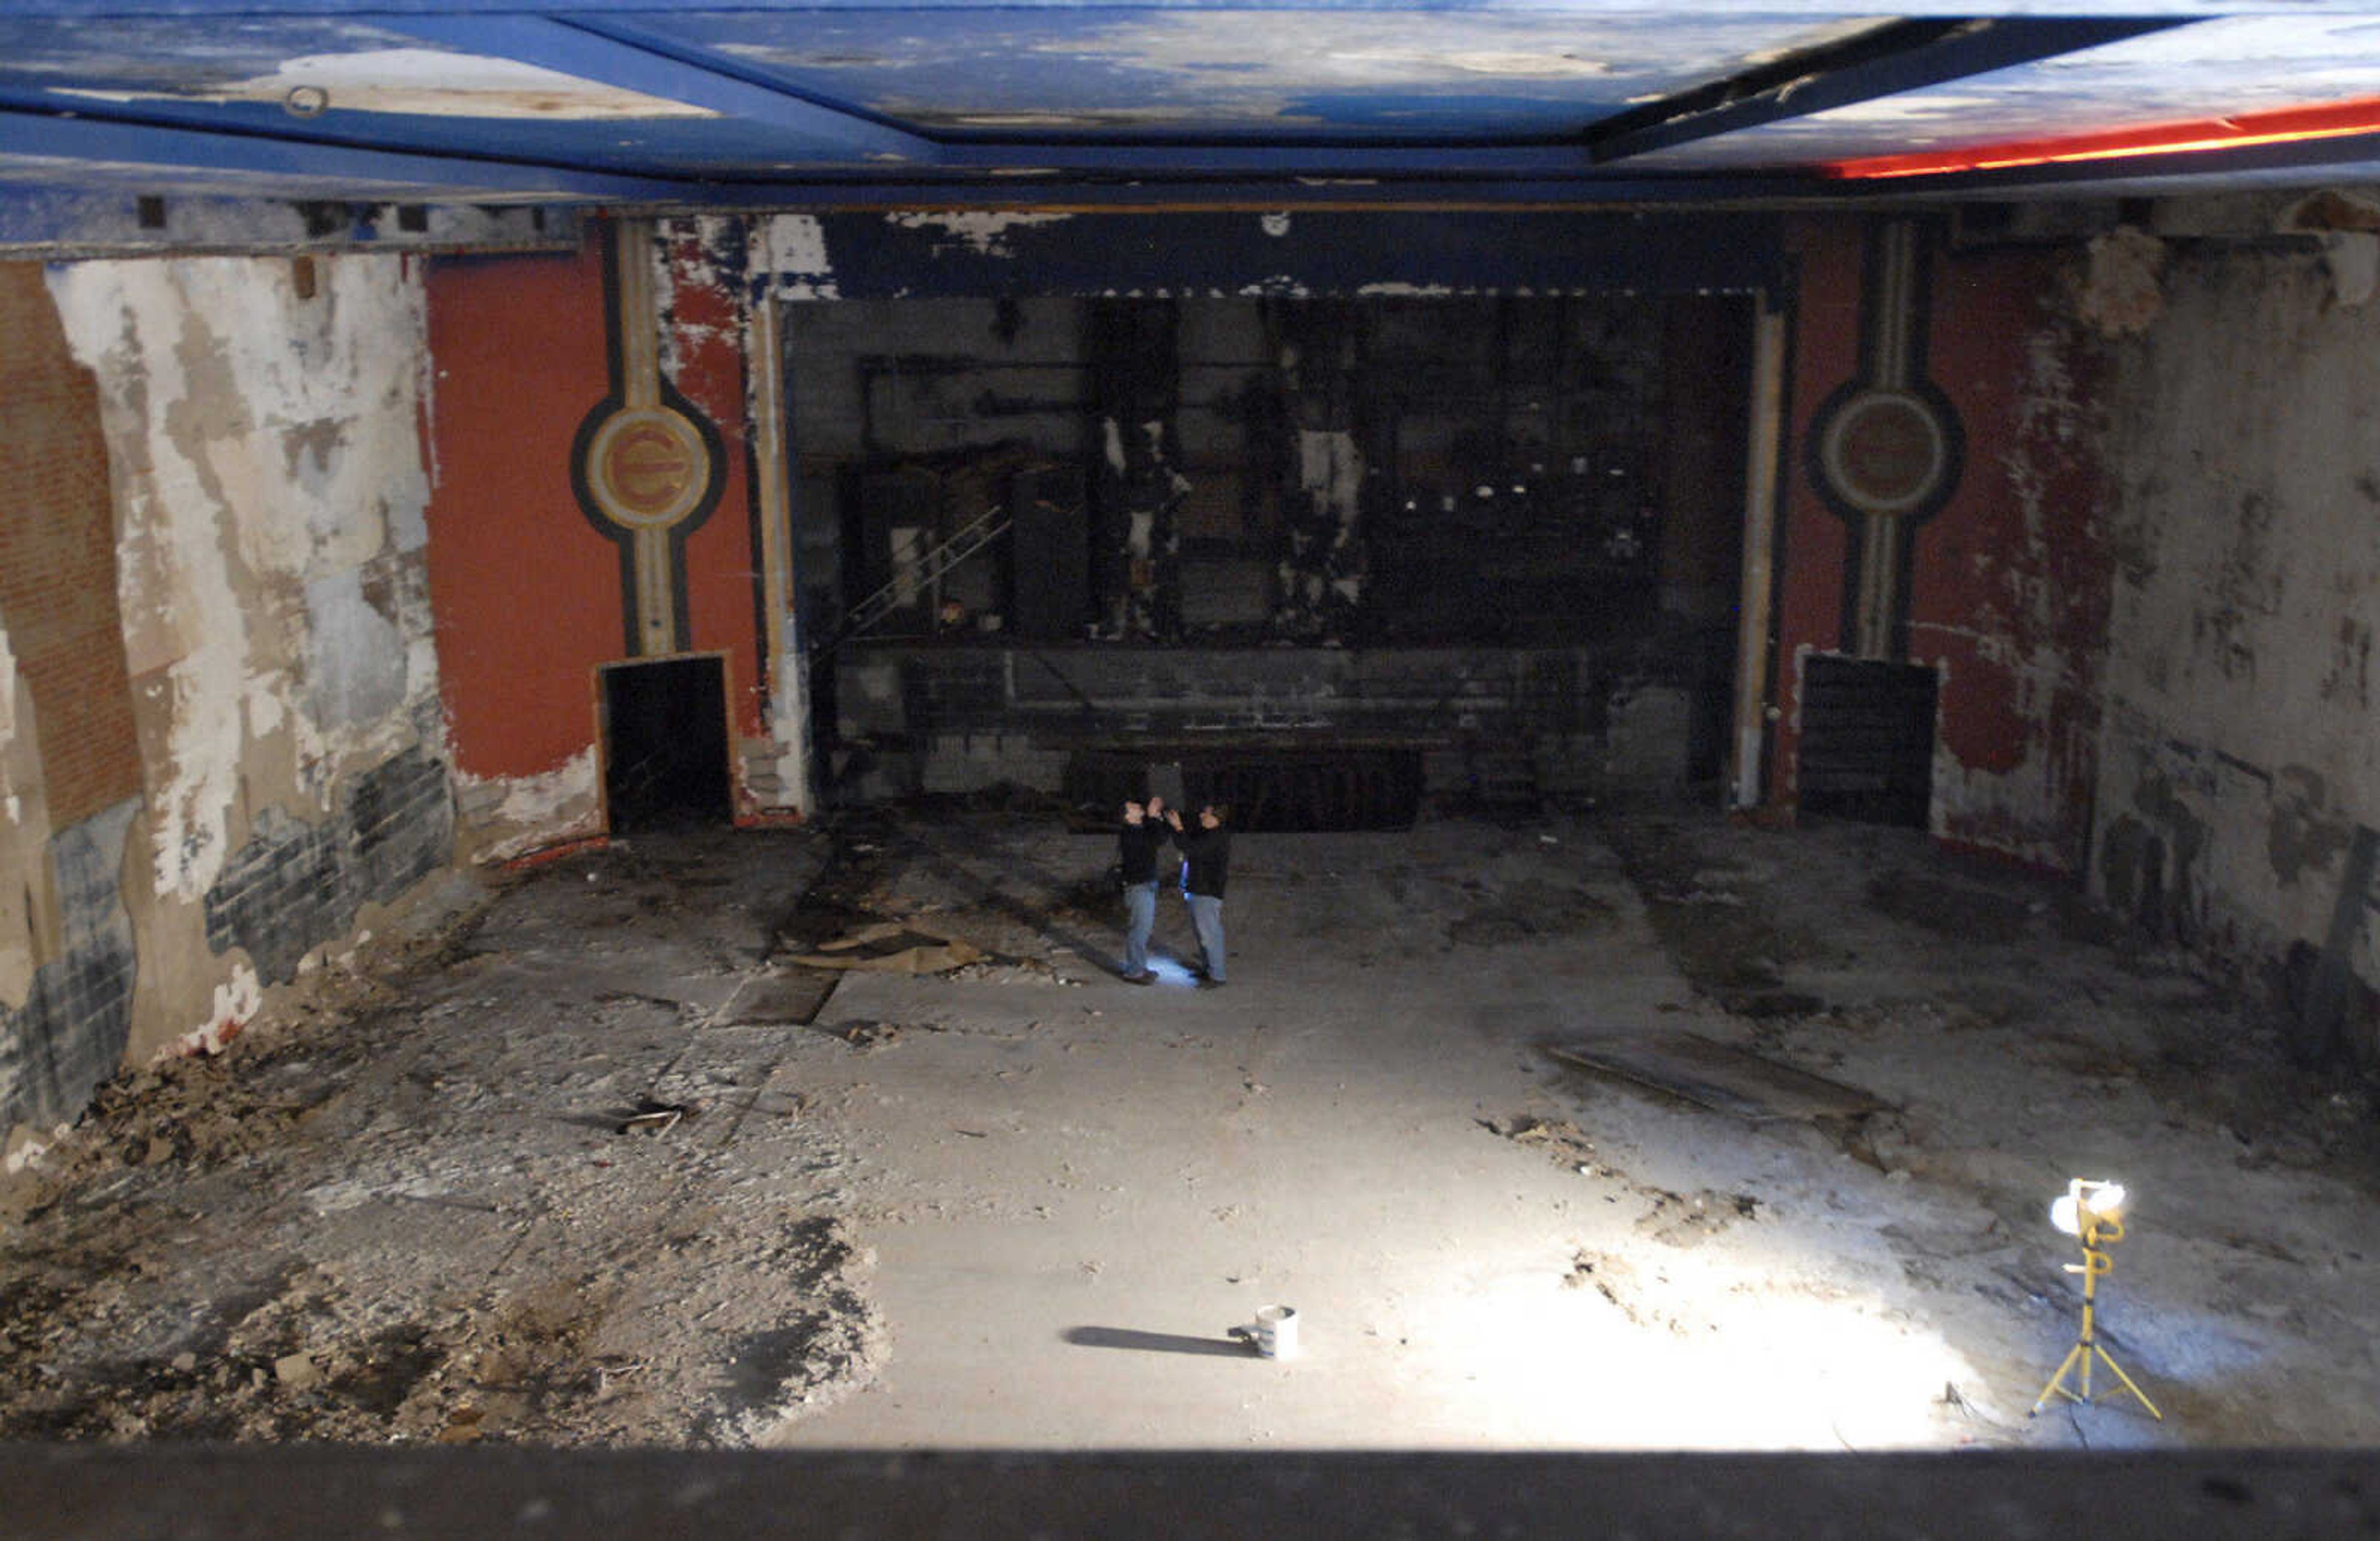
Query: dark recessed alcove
[[665, 743]]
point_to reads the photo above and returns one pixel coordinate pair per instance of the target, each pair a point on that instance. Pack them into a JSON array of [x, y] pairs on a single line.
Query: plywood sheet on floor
[[1715, 1075]]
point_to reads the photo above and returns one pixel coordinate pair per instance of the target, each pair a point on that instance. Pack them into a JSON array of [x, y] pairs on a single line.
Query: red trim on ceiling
[[2331, 121]]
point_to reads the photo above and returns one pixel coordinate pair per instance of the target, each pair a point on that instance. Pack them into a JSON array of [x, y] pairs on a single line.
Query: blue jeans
[[1207, 919], [1140, 914]]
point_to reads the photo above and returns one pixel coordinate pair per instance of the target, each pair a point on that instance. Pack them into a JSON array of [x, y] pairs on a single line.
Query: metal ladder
[[927, 574]]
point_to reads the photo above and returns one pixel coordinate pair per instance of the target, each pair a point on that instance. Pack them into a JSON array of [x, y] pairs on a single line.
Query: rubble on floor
[[610, 1164]]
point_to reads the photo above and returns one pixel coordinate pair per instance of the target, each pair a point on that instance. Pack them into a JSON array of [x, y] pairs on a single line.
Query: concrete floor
[[1023, 1204]]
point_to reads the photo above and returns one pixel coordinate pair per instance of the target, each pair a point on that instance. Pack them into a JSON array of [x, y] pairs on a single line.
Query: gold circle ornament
[[648, 467]]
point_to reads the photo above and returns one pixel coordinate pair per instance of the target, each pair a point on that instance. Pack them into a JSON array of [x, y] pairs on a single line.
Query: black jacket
[[1208, 852], [1136, 847]]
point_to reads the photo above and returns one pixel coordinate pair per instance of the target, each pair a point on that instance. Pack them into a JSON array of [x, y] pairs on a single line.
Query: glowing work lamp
[[2093, 1212], [2088, 1202]]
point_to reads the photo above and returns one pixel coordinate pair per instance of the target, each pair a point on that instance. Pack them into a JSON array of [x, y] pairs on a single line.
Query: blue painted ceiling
[[1515, 102]]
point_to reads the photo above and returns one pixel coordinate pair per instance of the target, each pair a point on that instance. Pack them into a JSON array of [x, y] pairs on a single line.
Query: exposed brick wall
[[57, 558], [297, 885]]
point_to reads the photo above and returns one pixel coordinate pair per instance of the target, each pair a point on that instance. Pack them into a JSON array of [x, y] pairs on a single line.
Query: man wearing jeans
[[1138, 840], [1207, 854]]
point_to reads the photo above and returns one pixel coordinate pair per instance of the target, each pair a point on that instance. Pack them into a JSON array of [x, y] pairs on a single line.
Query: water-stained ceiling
[[1518, 101]]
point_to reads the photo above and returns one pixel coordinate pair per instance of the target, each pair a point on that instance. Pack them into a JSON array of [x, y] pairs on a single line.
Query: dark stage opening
[[1023, 506], [1388, 471], [665, 743]]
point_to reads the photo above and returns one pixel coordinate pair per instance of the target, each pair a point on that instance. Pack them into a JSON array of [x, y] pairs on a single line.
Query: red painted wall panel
[[527, 591], [2012, 586], [2010, 590]]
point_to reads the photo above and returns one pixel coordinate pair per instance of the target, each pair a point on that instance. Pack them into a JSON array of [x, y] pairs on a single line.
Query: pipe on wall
[[1765, 446]]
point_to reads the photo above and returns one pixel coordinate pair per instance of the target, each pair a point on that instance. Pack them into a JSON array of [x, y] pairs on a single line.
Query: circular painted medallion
[[648, 467], [1886, 451]]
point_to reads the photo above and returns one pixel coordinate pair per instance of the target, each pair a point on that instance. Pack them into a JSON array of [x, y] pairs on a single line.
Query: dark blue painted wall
[[892, 256]]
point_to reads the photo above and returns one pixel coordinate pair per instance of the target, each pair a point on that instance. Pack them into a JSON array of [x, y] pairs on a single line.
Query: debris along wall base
[[2241, 768], [219, 737]]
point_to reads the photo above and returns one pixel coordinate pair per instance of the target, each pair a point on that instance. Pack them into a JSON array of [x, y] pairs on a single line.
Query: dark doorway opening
[[1867, 740], [665, 743]]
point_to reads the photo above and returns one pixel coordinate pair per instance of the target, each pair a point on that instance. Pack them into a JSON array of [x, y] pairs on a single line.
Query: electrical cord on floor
[[1952, 1398]]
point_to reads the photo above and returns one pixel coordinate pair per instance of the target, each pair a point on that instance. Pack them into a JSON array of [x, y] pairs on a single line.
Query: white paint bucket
[[1275, 1332]]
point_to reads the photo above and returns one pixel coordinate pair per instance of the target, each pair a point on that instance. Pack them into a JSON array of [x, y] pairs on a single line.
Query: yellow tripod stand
[[2094, 1209]]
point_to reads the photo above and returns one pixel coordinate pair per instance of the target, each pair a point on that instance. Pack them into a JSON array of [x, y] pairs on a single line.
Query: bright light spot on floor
[[1679, 1354]]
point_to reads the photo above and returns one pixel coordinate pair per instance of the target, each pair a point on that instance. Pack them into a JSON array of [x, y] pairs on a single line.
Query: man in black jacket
[[1138, 839], [1206, 853]]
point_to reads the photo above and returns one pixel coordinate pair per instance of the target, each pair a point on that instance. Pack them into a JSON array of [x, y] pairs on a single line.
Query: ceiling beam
[[1064, 194], [1897, 57], [638, 59], [87, 151], [1823, 9], [1275, 158]]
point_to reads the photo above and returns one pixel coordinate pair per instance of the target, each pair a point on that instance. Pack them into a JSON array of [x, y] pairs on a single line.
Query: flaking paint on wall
[[985, 233], [699, 273], [2016, 755], [510, 816], [796, 255], [269, 509], [2007, 586], [2246, 491], [705, 341], [267, 473]]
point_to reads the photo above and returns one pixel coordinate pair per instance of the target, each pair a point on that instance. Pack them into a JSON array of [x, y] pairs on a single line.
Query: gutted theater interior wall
[[223, 744], [553, 587], [2143, 611], [2235, 807], [1943, 594], [2146, 599]]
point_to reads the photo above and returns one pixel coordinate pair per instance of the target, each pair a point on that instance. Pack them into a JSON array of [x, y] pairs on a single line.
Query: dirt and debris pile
[[554, 1190]]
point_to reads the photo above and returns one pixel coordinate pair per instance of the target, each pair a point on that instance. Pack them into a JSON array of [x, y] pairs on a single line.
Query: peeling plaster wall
[[2243, 751], [268, 484], [69, 759], [704, 342], [2007, 595]]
